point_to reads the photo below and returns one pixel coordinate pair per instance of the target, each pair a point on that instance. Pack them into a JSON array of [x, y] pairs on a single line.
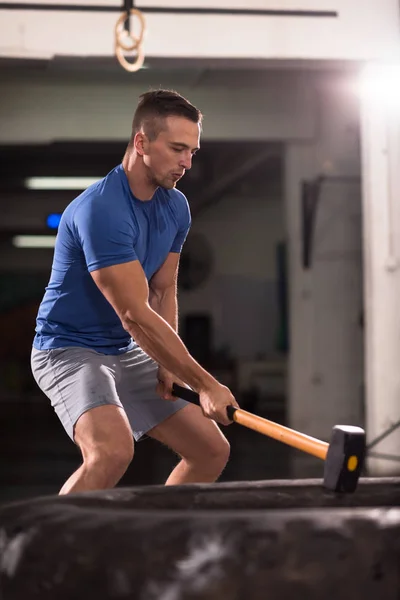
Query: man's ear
[[141, 143]]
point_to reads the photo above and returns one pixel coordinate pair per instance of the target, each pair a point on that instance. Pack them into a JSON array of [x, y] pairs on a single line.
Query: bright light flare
[[380, 86]]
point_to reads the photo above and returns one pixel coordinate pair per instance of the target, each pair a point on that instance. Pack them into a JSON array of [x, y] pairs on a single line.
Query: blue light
[[53, 220]]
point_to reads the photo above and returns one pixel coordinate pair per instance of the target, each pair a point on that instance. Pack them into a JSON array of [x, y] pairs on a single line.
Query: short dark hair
[[155, 106]]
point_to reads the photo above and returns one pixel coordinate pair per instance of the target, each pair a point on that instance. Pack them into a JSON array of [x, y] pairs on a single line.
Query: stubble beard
[[166, 182]]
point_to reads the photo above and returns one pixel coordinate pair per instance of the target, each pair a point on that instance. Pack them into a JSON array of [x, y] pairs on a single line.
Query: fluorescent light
[[34, 241], [60, 183]]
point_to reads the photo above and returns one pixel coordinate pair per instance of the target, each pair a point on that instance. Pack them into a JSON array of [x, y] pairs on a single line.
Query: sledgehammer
[[343, 456]]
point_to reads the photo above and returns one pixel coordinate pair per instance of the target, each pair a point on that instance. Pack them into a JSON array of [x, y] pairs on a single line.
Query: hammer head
[[345, 458]]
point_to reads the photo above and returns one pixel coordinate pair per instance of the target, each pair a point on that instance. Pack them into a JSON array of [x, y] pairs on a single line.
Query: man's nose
[[186, 162]]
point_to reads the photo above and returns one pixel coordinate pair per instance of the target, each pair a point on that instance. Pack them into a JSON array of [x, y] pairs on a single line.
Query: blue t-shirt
[[105, 225]]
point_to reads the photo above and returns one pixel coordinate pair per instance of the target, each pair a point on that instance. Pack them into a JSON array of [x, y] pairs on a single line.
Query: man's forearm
[[166, 305], [157, 338]]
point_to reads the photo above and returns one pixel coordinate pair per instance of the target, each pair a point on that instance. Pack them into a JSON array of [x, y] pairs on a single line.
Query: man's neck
[[138, 181]]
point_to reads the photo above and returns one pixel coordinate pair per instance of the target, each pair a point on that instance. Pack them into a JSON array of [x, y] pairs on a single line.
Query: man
[[106, 349]]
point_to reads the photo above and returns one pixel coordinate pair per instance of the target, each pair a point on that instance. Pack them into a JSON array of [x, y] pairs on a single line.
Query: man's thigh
[[190, 434], [75, 380]]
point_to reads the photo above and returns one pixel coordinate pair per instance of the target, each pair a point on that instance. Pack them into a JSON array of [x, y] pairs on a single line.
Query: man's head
[[166, 134]]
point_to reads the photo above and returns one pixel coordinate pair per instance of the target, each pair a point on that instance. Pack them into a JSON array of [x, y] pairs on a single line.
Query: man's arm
[[126, 289], [163, 290], [163, 300]]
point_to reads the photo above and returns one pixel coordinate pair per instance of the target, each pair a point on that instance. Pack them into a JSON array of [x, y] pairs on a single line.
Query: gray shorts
[[78, 379]]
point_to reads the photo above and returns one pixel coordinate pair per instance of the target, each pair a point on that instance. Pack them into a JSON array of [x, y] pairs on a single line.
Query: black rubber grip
[[185, 393], [191, 396], [230, 411]]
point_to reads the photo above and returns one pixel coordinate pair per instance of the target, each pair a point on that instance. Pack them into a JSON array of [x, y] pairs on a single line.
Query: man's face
[[170, 154]]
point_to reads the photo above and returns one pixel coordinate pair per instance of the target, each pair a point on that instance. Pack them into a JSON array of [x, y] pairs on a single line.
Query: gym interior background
[[272, 277]]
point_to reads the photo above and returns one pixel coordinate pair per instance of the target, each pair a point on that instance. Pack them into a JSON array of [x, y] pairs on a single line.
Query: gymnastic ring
[[133, 42], [132, 67], [129, 43]]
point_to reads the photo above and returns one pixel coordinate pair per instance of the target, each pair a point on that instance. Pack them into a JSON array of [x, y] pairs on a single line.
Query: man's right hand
[[214, 402]]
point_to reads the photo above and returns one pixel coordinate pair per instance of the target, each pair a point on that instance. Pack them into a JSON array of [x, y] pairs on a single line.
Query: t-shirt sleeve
[[106, 237], [184, 220]]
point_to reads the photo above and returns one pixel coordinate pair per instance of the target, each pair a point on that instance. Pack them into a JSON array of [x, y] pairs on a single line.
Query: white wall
[[362, 30], [381, 242], [326, 359]]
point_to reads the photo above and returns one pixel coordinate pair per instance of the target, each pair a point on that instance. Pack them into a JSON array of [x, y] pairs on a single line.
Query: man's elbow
[[134, 316]]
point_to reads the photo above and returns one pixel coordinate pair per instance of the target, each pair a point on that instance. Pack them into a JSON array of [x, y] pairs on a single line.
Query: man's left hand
[[165, 381]]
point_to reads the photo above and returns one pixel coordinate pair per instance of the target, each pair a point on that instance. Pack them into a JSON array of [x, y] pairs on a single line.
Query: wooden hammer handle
[[282, 434], [269, 428]]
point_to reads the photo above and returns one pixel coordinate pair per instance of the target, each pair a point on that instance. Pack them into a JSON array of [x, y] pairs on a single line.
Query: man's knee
[[108, 463], [112, 456], [105, 440], [215, 455], [221, 451]]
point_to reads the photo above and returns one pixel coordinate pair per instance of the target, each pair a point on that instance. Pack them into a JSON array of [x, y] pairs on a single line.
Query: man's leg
[[81, 386], [203, 448], [104, 437], [177, 424]]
